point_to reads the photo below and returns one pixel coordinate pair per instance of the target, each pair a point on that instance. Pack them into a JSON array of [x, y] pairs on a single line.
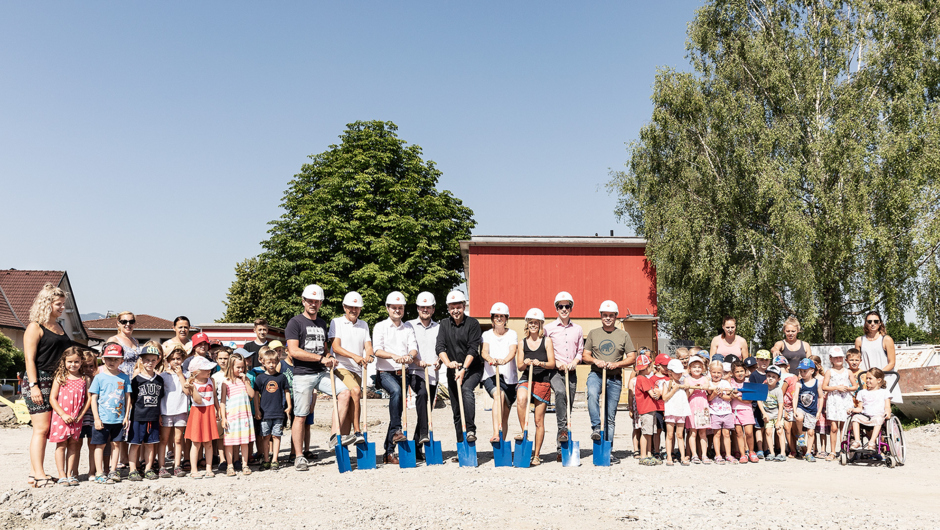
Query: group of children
[[172, 402], [697, 403]]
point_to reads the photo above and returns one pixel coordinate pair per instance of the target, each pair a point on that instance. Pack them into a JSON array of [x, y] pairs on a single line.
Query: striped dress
[[241, 429]]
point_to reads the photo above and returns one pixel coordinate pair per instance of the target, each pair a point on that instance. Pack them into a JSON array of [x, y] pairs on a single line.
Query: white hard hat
[[426, 299], [456, 297], [535, 314], [609, 306], [564, 295], [499, 308], [395, 298], [352, 299], [313, 292]]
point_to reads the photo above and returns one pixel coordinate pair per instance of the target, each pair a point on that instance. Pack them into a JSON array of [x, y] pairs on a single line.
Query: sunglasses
[[563, 306], [873, 321], [126, 322]]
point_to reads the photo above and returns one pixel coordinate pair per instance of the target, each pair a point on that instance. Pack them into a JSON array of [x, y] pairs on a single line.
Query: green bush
[[12, 360]]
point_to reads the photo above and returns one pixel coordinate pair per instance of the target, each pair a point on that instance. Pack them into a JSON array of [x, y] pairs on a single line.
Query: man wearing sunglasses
[[568, 341]]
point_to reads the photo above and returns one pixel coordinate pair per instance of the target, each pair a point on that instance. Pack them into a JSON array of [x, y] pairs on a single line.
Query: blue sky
[[145, 146]]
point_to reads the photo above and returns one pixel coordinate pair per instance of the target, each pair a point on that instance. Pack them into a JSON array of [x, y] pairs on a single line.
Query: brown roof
[[19, 289], [143, 322]]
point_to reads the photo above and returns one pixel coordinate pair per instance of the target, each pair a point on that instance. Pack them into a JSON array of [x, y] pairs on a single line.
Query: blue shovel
[[602, 447], [407, 458], [502, 450], [466, 451], [754, 392], [342, 452], [433, 455], [365, 451], [523, 455], [570, 450]]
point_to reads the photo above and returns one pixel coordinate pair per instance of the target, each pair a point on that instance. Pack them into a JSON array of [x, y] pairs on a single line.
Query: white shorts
[[305, 385], [175, 420]]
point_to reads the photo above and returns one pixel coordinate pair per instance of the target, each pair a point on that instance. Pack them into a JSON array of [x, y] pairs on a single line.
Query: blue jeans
[[391, 382], [614, 387]]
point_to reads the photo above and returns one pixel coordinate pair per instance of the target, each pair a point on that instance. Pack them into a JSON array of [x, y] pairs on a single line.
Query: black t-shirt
[[271, 388], [145, 396], [311, 334], [254, 348]]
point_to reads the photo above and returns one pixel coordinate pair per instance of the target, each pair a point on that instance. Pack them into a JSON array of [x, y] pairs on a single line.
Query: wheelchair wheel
[[847, 453], [890, 461], [895, 434], [843, 459]]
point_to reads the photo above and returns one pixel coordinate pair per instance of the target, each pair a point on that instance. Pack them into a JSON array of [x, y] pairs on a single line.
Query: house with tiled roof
[[18, 289], [148, 327]]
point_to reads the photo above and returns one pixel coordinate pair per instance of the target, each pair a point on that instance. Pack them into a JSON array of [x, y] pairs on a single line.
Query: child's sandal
[[856, 446], [245, 469], [696, 460], [706, 460], [685, 462]]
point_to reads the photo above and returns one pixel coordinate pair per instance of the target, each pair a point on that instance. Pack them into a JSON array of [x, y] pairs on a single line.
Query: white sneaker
[[300, 464]]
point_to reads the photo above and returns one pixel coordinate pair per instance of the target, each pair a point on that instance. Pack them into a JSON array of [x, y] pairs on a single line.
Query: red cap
[[642, 362], [199, 338], [662, 359], [113, 350]]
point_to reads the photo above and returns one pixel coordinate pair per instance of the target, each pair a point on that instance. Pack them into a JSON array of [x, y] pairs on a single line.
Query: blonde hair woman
[[43, 345], [125, 326], [793, 349], [534, 350]]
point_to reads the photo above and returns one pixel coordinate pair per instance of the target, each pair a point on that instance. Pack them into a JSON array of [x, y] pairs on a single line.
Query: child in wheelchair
[[874, 408]]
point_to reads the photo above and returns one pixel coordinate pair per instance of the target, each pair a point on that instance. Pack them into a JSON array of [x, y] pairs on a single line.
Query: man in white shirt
[[351, 344], [396, 347], [425, 330], [568, 341]]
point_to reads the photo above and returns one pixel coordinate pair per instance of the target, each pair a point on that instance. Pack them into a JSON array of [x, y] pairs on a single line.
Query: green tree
[[793, 171], [244, 295], [11, 359], [366, 216]]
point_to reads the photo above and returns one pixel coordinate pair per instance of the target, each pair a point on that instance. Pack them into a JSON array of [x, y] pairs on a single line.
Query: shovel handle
[[404, 399], [335, 406], [365, 401], [463, 419], [528, 399], [427, 384], [568, 401], [499, 401], [604, 401]]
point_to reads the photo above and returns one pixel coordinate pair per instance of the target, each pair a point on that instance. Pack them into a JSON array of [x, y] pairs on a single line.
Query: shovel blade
[[502, 452], [407, 457], [365, 455], [342, 458], [523, 453], [467, 453], [571, 454], [433, 454], [601, 454]]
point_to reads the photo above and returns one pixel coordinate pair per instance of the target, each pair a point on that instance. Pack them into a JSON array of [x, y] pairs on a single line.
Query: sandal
[[855, 446], [670, 463], [246, 470], [706, 460], [830, 457], [196, 474], [62, 481], [719, 461], [870, 446], [209, 474], [696, 460], [73, 481], [102, 479], [685, 462]]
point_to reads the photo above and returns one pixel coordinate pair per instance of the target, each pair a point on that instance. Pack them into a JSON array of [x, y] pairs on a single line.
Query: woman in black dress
[[43, 345]]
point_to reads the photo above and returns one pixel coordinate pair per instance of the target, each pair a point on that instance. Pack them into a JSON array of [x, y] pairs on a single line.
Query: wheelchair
[[888, 448]]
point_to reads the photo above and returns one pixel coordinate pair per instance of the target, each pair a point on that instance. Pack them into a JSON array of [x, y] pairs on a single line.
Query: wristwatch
[[32, 384]]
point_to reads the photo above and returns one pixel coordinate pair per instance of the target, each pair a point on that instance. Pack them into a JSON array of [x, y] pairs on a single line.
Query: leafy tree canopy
[[364, 215], [794, 170]]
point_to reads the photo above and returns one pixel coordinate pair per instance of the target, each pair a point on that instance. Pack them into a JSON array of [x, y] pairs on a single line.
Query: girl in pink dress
[[698, 421], [70, 401]]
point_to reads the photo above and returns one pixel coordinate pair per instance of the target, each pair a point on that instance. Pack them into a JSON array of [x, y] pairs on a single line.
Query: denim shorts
[[272, 427], [112, 432], [143, 432]]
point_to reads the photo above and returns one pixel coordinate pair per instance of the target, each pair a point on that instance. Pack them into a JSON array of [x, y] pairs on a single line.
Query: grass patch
[[912, 423]]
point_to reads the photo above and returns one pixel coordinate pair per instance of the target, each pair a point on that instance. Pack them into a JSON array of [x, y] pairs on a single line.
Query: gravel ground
[[626, 495]]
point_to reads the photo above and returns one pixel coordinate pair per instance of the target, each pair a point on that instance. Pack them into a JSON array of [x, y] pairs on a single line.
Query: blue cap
[[780, 359], [718, 357], [750, 361], [806, 364]]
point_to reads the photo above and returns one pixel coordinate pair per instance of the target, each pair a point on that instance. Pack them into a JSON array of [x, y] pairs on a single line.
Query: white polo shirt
[[397, 340], [427, 343], [353, 337]]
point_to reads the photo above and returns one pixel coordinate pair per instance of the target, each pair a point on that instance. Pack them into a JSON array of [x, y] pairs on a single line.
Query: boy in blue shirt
[[273, 393], [111, 407]]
